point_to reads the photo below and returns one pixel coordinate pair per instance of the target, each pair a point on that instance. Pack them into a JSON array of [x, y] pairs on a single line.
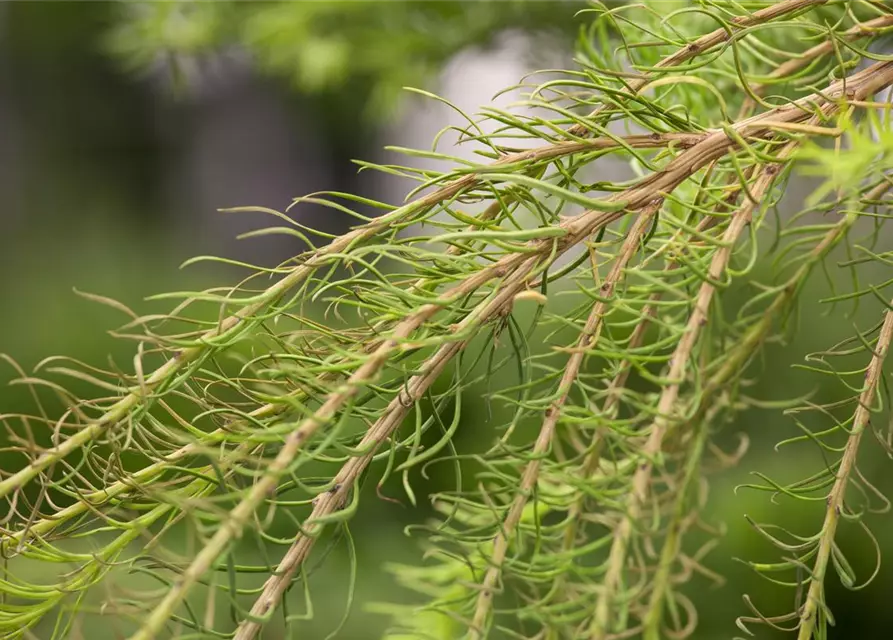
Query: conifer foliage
[[599, 320]]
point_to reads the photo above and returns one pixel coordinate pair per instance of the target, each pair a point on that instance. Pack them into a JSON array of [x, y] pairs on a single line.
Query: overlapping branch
[[529, 477], [434, 315], [714, 145], [666, 405]]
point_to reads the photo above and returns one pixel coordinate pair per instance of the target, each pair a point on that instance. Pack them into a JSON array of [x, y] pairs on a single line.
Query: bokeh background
[[123, 130]]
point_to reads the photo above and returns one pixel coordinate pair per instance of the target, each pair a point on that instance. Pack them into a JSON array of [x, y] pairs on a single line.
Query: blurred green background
[[114, 157]]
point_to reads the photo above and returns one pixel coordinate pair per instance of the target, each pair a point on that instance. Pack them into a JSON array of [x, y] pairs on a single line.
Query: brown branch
[[733, 362], [96, 498], [331, 501], [667, 401], [815, 597], [587, 339], [705, 43], [169, 369], [742, 352], [750, 342], [793, 65], [711, 147]]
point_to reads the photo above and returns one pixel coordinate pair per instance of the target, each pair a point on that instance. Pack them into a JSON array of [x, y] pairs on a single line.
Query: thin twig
[[588, 337], [815, 605], [704, 43], [209, 340], [374, 437], [667, 401], [660, 583], [260, 491], [735, 360], [789, 67], [593, 456]]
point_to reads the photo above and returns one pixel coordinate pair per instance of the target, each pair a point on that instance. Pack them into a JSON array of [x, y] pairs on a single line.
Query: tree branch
[[600, 626], [588, 337], [706, 42], [714, 145], [815, 605]]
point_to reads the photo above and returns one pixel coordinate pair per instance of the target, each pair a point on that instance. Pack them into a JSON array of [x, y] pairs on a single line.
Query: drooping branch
[[666, 404], [588, 337], [815, 607], [732, 363], [261, 489], [689, 161], [572, 232], [209, 342], [705, 43], [375, 436], [486, 267]]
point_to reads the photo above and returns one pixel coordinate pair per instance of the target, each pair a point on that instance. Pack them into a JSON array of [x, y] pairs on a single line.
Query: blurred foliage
[[329, 47]]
